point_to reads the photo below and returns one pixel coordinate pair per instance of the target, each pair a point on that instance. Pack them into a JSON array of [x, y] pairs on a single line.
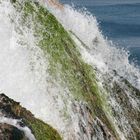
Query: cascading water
[[15, 123], [111, 65], [102, 51], [25, 76]]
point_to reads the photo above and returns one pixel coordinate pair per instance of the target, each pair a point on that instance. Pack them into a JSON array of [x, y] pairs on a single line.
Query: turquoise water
[[119, 21]]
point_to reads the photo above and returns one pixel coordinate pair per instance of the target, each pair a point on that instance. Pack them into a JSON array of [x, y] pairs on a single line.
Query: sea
[[119, 21]]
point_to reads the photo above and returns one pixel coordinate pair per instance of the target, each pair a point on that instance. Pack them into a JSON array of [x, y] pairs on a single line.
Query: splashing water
[[15, 123], [102, 54], [24, 72], [24, 77], [99, 51]]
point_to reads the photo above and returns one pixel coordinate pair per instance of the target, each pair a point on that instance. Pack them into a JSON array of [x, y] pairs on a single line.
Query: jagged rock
[[124, 101], [12, 110], [79, 77], [100, 130], [9, 132]]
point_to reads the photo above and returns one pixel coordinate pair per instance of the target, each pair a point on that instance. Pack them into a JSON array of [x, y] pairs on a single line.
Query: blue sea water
[[119, 21]]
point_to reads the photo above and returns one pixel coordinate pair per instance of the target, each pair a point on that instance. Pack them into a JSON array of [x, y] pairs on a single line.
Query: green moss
[[64, 58], [40, 130], [43, 131], [13, 1]]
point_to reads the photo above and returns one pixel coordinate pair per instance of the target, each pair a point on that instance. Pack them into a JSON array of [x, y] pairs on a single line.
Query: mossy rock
[[9, 132], [41, 130], [65, 59]]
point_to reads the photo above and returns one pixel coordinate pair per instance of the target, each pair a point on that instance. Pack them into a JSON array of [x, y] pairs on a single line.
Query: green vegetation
[[64, 57], [40, 130], [64, 60], [43, 131]]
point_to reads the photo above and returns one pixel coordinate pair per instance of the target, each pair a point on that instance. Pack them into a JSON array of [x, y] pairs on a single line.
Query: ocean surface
[[118, 20]]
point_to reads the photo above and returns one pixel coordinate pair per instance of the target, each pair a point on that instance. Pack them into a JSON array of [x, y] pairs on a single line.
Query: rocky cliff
[[17, 123], [71, 98]]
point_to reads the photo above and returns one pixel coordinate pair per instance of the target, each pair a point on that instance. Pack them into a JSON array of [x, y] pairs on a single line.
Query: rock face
[[93, 116], [8, 107], [9, 132], [17, 123], [65, 64], [12, 110]]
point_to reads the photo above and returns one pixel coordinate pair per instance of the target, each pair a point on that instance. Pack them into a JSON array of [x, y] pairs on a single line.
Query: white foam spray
[[99, 51], [15, 123], [24, 72], [102, 55], [24, 76]]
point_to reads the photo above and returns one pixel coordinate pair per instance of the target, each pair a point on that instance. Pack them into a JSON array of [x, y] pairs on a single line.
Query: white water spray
[[24, 72], [99, 51], [24, 77], [104, 56], [15, 123]]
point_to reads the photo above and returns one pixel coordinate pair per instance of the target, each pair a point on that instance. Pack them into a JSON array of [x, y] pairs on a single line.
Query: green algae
[[64, 59], [40, 130], [43, 131]]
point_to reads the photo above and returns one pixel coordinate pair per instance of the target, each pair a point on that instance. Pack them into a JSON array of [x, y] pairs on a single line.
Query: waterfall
[[35, 77]]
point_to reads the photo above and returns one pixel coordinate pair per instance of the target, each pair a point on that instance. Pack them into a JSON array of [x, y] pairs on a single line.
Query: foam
[[15, 123], [99, 49]]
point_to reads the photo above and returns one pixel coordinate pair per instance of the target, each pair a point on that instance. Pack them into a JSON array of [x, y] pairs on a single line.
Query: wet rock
[[12, 110], [9, 132], [124, 100], [91, 128], [101, 131]]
